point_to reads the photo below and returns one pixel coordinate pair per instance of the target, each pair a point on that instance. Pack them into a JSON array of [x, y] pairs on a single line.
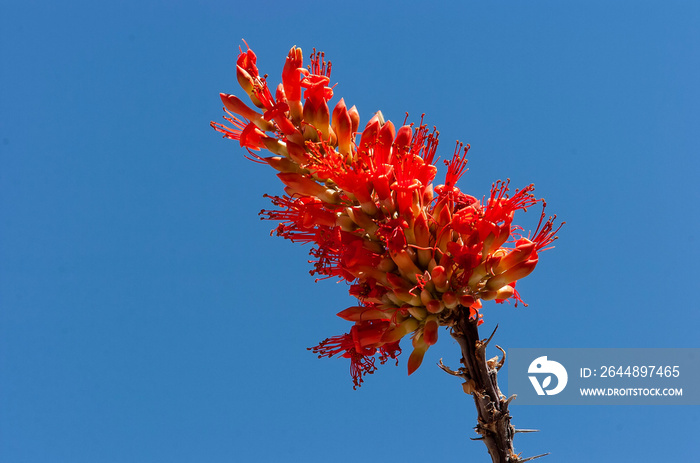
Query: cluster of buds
[[414, 255]]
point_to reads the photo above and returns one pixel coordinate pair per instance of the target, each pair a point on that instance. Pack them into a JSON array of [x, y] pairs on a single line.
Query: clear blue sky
[[147, 316]]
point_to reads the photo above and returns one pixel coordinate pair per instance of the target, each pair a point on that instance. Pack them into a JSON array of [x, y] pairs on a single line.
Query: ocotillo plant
[[417, 257]]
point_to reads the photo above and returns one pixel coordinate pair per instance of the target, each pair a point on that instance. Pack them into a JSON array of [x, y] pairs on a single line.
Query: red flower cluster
[[414, 255]]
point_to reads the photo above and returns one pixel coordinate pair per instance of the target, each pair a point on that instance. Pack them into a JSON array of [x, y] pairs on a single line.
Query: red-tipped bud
[[276, 146], [385, 138], [402, 142], [362, 219], [405, 264], [359, 313], [248, 85], [466, 300], [354, 118], [398, 282], [439, 278], [515, 273], [421, 231], [316, 113], [342, 126], [235, 105], [444, 218], [382, 183], [430, 332], [425, 296], [282, 164], [477, 274], [450, 299], [522, 252], [404, 296], [323, 120], [369, 137], [422, 238], [419, 313], [434, 306], [504, 293], [301, 184], [244, 80], [305, 186], [495, 239], [386, 265]]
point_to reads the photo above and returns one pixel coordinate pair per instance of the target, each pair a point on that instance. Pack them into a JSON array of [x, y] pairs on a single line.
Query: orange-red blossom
[[414, 255]]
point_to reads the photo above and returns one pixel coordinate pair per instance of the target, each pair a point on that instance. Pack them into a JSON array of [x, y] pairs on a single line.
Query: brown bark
[[481, 382]]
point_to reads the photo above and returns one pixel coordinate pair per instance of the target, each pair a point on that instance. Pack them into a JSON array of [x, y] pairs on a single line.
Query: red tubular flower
[[361, 363], [415, 256], [247, 60], [291, 80]]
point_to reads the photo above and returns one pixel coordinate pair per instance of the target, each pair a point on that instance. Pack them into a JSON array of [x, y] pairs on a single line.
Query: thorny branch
[[480, 377]]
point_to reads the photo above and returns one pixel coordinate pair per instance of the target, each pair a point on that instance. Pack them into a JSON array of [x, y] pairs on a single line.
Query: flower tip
[[415, 360], [420, 347]]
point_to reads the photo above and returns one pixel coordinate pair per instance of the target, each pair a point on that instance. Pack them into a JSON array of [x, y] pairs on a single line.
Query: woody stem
[[492, 407]]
